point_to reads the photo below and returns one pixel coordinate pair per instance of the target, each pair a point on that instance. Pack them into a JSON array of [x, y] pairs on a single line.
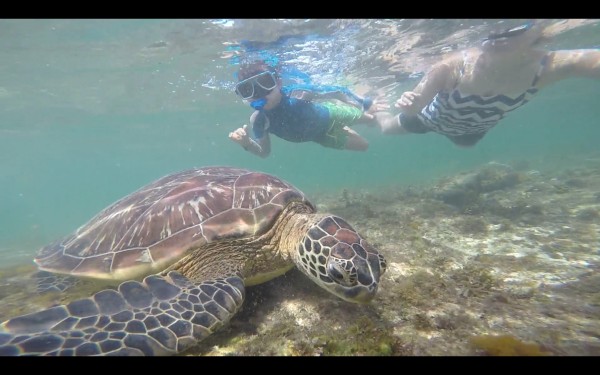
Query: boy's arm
[[363, 102], [342, 94], [260, 147]]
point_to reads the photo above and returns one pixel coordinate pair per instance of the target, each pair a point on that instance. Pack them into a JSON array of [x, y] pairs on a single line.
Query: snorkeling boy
[[296, 117]]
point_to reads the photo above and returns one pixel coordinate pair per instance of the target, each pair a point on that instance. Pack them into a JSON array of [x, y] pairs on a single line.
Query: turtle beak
[[359, 294]]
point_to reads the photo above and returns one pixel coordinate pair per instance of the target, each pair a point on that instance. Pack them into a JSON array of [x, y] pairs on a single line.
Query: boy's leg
[[355, 141], [341, 137]]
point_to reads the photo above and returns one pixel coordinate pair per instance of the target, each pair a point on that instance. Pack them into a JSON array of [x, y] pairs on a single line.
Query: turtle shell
[[153, 227]]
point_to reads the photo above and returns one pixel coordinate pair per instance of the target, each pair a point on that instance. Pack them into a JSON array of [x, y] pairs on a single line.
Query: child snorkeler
[[298, 115]]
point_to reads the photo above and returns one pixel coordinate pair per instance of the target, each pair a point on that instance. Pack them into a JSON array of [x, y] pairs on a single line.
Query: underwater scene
[[300, 187]]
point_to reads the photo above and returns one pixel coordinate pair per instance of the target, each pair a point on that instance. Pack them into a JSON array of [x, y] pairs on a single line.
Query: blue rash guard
[[294, 120]]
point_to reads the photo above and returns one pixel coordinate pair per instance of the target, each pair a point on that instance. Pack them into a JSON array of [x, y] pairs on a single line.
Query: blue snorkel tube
[[258, 104]]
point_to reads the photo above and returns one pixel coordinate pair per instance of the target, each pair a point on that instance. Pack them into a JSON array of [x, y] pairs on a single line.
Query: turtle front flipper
[[162, 315], [53, 282]]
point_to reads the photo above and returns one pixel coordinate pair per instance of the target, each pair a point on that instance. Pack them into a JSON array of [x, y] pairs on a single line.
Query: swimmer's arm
[[441, 76], [259, 147], [363, 103], [563, 64], [302, 95]]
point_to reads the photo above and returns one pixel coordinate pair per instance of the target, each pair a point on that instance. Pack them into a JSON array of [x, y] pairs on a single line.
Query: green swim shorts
[[340, 115]]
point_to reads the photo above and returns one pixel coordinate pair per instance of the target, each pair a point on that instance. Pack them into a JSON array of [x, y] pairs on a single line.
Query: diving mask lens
[[266, 81], [256, 86], [244, 89]]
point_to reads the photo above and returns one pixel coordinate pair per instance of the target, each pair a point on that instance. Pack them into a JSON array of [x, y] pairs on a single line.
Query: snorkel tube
[[258, 104]]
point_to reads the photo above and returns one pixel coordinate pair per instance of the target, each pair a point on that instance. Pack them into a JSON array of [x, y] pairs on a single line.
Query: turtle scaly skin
[[203, 235]]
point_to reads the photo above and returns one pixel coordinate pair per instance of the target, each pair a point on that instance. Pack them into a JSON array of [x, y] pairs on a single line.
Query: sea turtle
[[199, 237]]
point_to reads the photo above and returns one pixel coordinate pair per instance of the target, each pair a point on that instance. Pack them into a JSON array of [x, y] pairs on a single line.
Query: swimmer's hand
[[240, 136], [408, 102], [379, 104]]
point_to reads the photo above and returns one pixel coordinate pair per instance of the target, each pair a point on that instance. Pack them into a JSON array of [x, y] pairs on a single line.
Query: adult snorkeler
[[298, 115], [464, 96]]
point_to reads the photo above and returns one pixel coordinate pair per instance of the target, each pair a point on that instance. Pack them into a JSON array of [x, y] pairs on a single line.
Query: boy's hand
[[379, 105], [240, 136]]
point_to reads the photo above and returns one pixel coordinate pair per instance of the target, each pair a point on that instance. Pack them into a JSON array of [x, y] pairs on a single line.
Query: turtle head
[[337, 258]]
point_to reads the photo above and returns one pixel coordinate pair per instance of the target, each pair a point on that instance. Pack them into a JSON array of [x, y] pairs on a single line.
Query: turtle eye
[[382, 264], [339, 274], [334, 273]]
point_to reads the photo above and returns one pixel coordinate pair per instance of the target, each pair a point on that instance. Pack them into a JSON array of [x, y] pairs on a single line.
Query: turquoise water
[[91, 110]]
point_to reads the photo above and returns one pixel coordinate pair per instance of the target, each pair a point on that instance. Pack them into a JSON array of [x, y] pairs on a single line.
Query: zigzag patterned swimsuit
[[466, 118]]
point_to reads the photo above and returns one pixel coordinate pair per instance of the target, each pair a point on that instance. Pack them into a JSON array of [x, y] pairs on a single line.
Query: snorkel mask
[[254, 89], [499, 38]]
